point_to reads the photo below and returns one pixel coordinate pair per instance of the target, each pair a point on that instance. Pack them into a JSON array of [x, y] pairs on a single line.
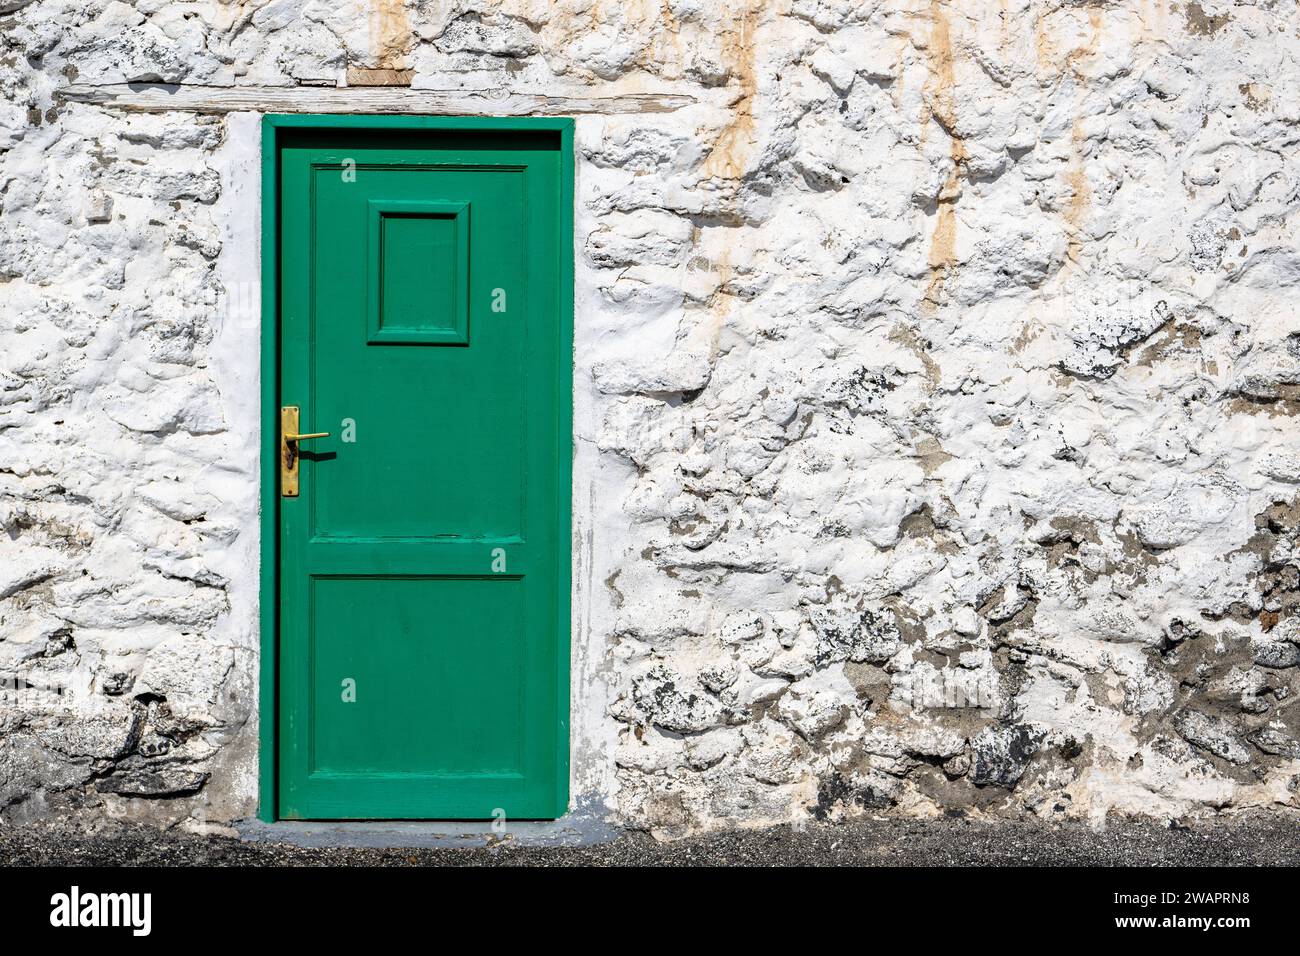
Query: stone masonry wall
[[936, 381]]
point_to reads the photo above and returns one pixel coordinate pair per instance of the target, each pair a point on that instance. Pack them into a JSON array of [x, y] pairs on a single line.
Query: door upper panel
[[407, 262]]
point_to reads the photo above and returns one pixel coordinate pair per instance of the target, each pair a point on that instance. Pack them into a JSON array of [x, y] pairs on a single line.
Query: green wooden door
[[424, 561]]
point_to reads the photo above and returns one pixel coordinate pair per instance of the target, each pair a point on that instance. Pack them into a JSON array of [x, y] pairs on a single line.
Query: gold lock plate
[[289, 438]]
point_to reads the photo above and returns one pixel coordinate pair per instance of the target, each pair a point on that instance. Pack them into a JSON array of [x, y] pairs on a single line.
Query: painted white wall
[[935, 385]]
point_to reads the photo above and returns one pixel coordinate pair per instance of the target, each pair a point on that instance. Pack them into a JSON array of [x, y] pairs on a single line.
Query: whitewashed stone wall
[[936, 383]]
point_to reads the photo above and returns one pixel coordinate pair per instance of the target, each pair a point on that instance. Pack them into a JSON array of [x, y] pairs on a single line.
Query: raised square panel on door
[[417, 277]]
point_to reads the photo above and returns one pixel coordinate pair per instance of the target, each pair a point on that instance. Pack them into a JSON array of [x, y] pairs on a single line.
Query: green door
[[423, 612]]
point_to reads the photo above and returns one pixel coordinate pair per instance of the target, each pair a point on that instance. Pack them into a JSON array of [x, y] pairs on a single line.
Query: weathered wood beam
[[160, 97]]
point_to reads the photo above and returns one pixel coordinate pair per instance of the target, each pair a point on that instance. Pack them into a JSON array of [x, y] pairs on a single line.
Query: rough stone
[[171, 782], [1212, 734], [1000, 755]]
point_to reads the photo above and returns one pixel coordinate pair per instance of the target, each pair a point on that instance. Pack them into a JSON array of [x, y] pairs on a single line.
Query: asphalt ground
[[1250, 840]]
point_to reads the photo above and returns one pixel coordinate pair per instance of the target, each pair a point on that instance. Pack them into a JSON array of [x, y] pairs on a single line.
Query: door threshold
[[578, 828]]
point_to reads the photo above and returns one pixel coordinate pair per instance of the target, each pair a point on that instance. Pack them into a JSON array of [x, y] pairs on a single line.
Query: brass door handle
[[289, 438]]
